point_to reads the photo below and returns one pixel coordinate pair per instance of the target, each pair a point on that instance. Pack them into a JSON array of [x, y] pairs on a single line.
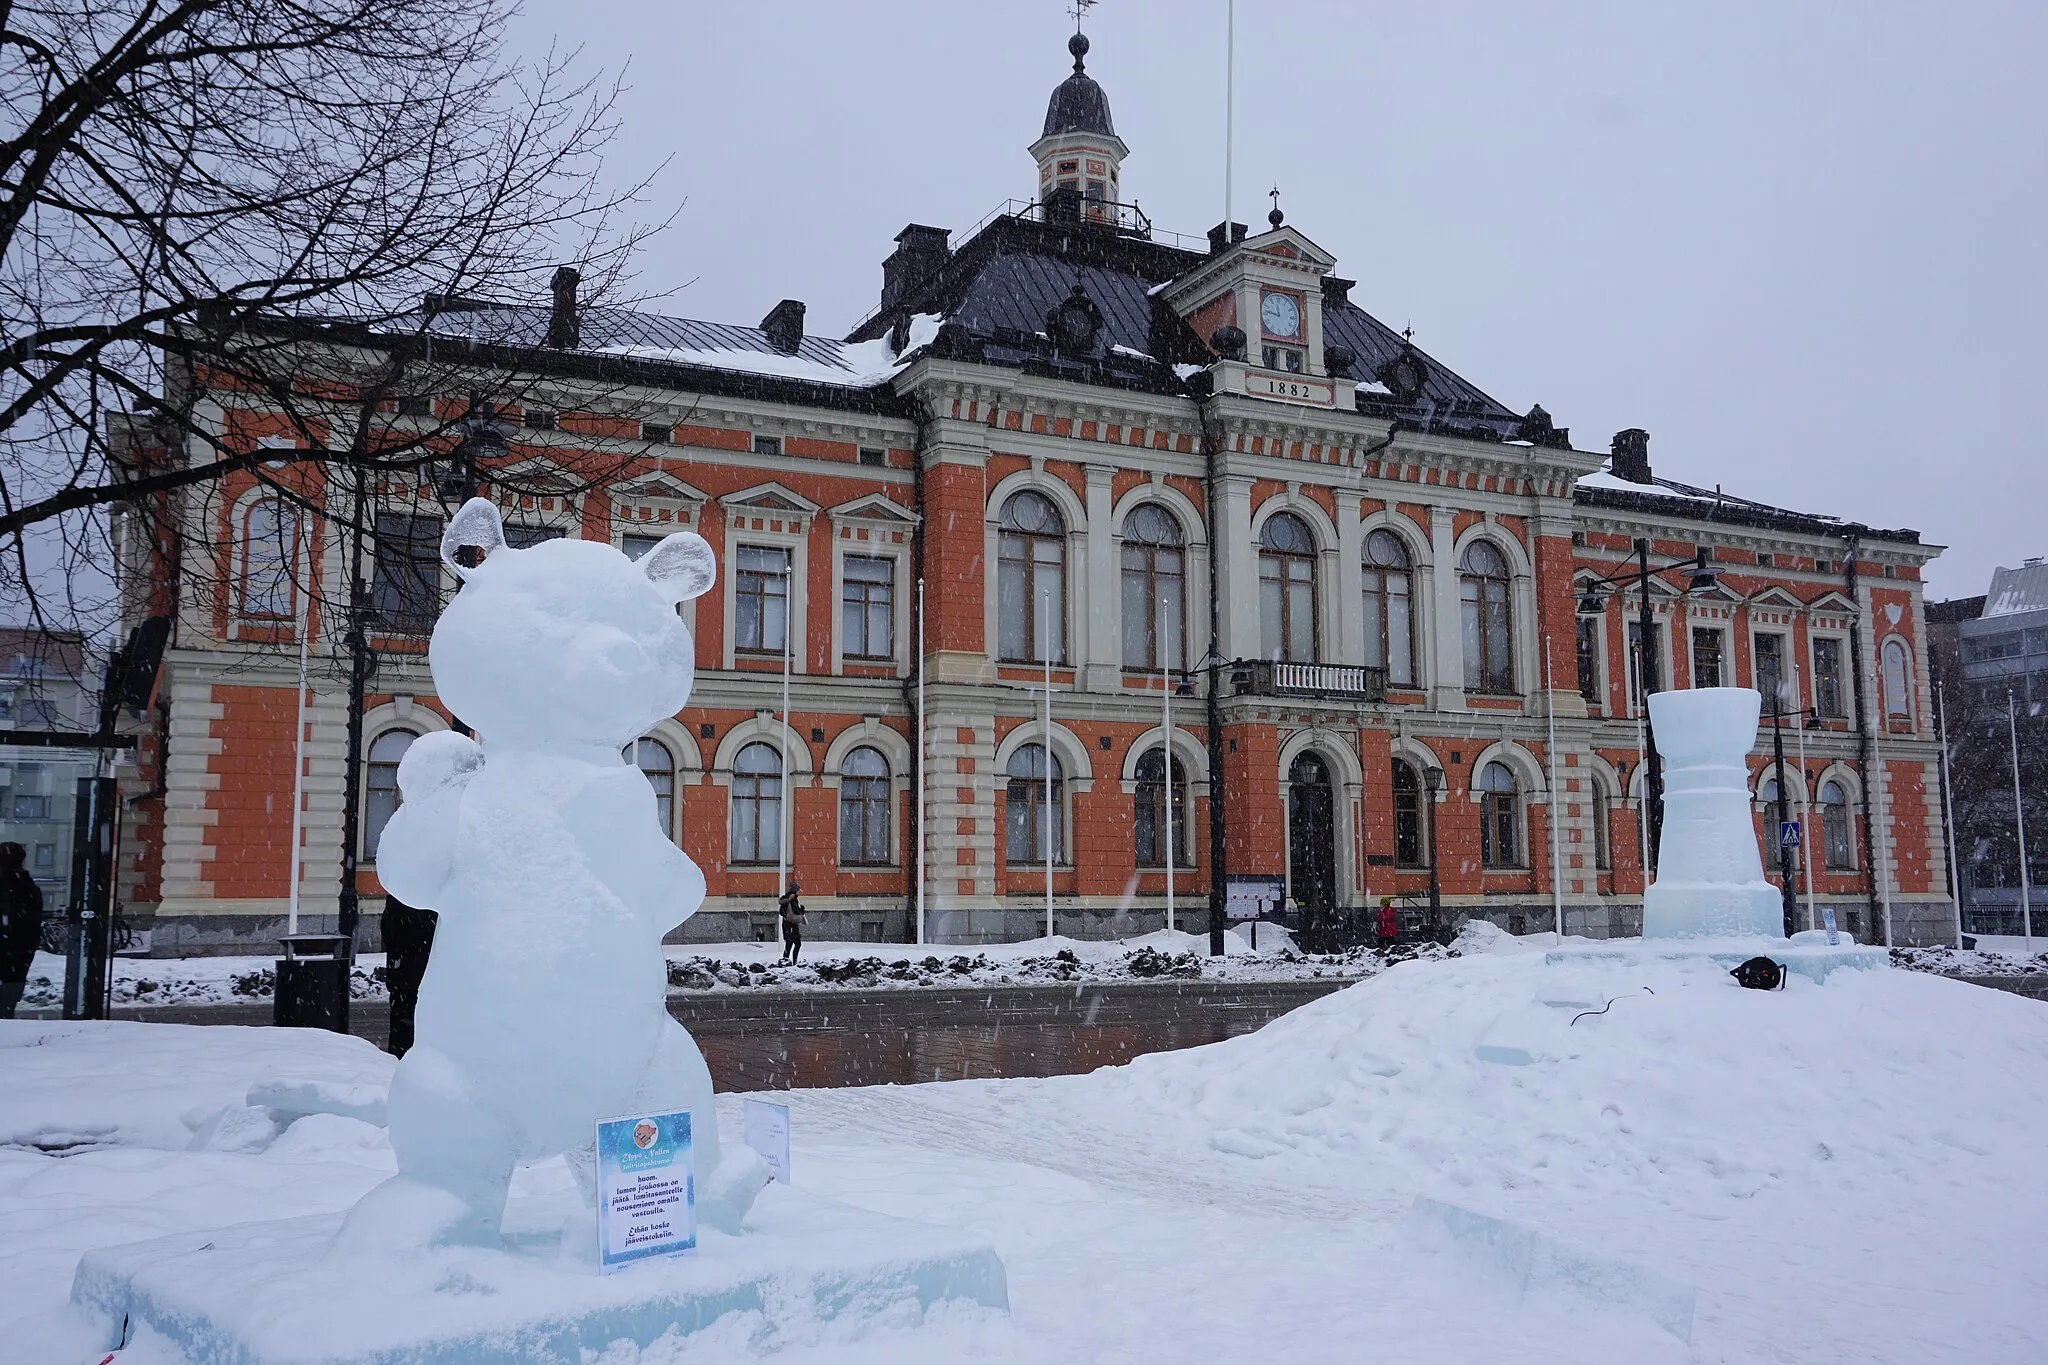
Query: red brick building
[[1155, 462]]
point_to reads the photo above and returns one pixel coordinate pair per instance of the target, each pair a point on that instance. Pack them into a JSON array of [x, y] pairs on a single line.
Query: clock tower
[[1079, 152], [1258, 303]]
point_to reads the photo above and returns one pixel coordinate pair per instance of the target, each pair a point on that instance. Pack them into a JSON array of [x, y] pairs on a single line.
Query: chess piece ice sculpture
[[1710, 875], [544, 1006]]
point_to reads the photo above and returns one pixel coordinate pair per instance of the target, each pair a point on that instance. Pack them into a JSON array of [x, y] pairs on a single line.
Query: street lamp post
[[1433, 782], [1786, 888], [1593, 602]]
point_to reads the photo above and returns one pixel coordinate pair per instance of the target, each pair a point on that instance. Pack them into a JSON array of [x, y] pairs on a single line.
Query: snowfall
[[1695, 1172]]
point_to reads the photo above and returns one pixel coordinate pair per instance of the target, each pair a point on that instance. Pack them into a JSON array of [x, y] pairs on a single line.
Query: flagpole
[[1229, 110], [1805, 810], [1166, 789], [1948, 810], [1045, 619], [299, 779], [782, 820], [2019, 822], [1556, 805], [921, 759]]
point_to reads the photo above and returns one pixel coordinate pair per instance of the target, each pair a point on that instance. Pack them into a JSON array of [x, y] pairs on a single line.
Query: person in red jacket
[[1389, 925]]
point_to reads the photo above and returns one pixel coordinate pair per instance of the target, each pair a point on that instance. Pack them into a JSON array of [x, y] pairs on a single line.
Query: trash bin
[[312, 983]]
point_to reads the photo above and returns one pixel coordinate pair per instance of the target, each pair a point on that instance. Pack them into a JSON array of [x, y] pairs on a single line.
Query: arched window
[[1389, 607], [1767, 799], [1834, 827], [1487, 618], [658, 766], [1155, 585], [1031, 580], [864, 809], [1408, 844], [1898, 687], [1032, 823], [1154, 792], [1499, 817], [757, 805], [380, 785], [1603, 829], [270, 549], [1287, 589]]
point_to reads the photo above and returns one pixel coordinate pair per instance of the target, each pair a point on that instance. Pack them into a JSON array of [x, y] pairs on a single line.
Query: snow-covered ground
[[831, 965], [1843, 1173]]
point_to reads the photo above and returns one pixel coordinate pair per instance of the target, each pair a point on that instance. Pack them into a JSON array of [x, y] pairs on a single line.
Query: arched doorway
[[1312, 848]]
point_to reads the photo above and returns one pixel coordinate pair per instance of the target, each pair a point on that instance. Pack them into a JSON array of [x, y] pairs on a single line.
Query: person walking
[[1388, 925], [21, 925], [792, 911]]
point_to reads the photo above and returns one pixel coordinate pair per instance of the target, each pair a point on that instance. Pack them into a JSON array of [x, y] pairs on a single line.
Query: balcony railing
[[1334, 681]]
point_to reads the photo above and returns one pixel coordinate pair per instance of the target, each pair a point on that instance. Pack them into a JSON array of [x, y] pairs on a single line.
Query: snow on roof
[[860, 364], [2017, 590]]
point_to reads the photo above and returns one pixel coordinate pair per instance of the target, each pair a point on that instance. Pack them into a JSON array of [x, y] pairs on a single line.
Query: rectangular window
[[867, 607], [1827, 677], [1768, 666], [1588, 629], [519, 537], [635, 546], [416, 405], [1641, 661], [767, 445], [540, 419], [761, 600], [1706, 658], [1282, 358], [871, 931], [405, 592], [1765, 560], [46, 857], [31, 807], [38, 714], [874, 455], [657, 433]]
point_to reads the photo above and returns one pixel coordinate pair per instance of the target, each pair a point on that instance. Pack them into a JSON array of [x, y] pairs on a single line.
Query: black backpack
[[1759, 974]]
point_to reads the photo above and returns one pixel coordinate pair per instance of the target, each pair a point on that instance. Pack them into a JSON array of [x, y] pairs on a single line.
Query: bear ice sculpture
[[544, 1006]]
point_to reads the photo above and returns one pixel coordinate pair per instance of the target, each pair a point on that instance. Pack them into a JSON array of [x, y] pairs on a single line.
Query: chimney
[[565, 328], [1217, 240], [785, 326], [921, 252], [1629, 456], [1336, 292]]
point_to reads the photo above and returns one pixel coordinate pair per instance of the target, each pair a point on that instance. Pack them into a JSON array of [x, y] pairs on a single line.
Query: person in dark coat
[[792, 911], [21, 925]]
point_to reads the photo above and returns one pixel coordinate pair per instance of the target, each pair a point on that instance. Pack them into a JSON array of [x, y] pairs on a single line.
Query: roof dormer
[[1258, 303]]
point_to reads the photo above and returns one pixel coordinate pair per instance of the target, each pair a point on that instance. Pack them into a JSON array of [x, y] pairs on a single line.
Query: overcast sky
[[1799, 242]]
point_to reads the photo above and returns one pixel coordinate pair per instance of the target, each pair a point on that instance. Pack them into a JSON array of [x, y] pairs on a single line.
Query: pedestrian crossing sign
[[1788, 833]]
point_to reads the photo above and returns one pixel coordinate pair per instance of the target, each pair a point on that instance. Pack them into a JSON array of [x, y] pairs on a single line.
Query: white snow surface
[[864, 363], [1844, 1173]]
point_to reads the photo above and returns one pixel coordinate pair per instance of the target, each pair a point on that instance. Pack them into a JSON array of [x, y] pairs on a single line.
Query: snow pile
[[862, 364], [1687, 1092]]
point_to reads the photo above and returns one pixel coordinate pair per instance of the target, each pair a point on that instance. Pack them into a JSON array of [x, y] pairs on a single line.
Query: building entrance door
[[1312, 849]]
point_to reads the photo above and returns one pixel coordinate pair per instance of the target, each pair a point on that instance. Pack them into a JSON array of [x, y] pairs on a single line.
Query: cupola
[[1079, 154]]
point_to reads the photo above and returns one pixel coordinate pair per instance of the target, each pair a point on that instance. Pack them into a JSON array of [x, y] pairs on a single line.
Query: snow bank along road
[[1841, 1173]]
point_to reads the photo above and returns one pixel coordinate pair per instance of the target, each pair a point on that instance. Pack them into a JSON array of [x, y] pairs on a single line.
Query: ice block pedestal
[[280, 1294], [1710, 899], [1710, 874]]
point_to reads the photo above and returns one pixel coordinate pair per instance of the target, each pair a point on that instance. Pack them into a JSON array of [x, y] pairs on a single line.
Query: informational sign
[[768, 1134], [646, 1188], [1827, 918], [1254, 897], [1788, 833]]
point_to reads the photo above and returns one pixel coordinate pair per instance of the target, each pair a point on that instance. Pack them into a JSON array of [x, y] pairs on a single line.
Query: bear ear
[[681, 566], [475, 526]]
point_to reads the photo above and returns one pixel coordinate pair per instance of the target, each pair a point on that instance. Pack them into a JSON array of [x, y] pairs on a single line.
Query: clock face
[[1281, 314]]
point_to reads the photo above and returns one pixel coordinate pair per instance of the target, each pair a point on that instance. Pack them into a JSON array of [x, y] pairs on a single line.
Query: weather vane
[[1078, 9]]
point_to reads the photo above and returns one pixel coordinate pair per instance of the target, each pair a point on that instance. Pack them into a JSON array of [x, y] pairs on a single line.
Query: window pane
[[1138, 610], [1013, 621]]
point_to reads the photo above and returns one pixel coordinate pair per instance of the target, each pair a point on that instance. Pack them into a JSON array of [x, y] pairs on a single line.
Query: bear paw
[[437, 761]]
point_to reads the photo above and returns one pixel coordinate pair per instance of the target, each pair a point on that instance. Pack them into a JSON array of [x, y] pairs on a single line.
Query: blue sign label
[[1788, 833], [646, 1188]]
